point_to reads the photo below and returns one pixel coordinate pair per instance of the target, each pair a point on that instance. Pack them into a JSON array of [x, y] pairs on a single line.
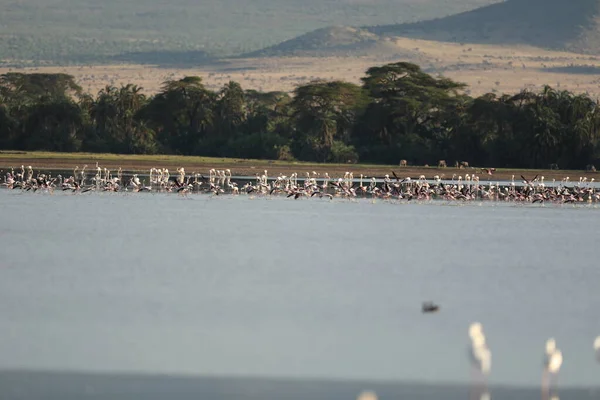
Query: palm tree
[[231, 106], [115, 116]]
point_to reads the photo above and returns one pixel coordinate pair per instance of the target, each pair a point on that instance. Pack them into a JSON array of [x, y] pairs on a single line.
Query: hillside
[[108, 31], [484, 67], [555, 24], [330, 41]]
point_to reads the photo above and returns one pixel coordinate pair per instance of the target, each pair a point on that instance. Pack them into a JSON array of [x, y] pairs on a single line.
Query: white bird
[[480, 357], [552, 362], [553, 359], [475, 329], [597, 348], [479, 353]]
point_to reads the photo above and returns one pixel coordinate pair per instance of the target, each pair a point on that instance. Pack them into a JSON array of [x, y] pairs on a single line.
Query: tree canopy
[[398, 112]]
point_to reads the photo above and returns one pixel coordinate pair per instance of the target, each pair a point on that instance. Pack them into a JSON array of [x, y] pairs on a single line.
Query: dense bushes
[[399, 112]]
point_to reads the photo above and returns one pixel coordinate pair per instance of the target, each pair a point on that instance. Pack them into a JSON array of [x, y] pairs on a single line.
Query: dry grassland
[[484, 68]]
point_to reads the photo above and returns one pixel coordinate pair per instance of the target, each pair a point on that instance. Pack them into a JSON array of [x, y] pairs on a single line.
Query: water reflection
[[479, 393]]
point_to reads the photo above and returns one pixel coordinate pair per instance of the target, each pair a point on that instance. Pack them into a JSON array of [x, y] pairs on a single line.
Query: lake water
[[303, 289]]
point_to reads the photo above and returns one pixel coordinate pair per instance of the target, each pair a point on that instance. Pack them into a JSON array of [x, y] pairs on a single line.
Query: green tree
[[231, 108], [38, 111], [53, 126], [21, 87], [407, 103], [323, 113], [182, 114], [115, 118]]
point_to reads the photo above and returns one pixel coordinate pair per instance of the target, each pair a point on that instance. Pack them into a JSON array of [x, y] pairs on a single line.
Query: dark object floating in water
[[430, 307]]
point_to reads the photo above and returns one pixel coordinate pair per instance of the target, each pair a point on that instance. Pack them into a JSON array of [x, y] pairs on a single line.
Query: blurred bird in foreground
[[368, 395], [552, 362], [480, 357]]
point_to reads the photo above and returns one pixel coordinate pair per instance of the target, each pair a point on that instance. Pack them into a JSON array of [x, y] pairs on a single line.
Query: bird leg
[[478, 386], [545, 385]]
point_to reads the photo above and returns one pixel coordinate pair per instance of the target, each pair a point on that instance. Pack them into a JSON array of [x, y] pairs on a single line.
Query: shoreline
[[245, 167], [121, 377]]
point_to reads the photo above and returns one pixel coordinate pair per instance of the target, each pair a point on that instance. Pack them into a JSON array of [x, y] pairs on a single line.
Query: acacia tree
[[406, 104], [265, 132], [325, 112], [182, 114], [265, 110], [21, 87], [39, 111], [53, 126]]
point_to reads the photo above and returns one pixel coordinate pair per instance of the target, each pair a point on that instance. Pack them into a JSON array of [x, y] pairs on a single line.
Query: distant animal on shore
[[442, 164], [403, 163]]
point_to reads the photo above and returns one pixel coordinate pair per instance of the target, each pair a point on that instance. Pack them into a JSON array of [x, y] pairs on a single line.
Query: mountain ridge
[[328, 41], [63, 32], [551, 24]]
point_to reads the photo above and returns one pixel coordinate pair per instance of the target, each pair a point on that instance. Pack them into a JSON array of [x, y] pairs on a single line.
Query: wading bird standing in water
[[480, 357], [552, 362]]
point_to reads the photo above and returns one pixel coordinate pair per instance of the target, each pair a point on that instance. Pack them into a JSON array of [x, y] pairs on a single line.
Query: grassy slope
[[91, 30], [47, 160]]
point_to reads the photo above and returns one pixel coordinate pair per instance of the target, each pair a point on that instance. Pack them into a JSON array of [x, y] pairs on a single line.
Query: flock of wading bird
[[480, 358], [312, 185]]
